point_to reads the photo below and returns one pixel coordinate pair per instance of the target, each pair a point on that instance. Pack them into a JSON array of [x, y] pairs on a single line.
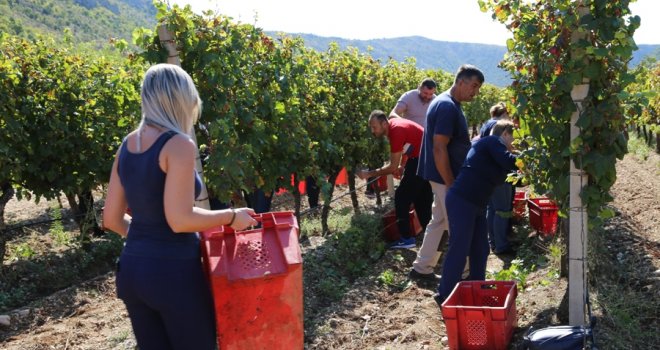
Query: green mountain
[[428, 54], [94, 21], [444, 55]]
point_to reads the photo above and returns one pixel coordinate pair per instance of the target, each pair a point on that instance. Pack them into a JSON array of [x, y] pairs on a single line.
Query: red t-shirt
[[405, 136]]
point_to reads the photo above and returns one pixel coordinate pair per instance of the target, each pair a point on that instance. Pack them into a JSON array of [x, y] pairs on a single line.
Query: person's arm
[[115, 218], [503, 155], [178, 157], [395, 160], [398, 111], [441, 158]]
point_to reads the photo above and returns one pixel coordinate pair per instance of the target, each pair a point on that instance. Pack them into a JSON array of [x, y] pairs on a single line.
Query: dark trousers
[[497, 215], [412, 190], [468, 237], [313, 191], [168, 301], [259, 201]]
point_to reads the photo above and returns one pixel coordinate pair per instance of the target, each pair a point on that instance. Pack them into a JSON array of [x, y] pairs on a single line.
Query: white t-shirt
[[413, 106]]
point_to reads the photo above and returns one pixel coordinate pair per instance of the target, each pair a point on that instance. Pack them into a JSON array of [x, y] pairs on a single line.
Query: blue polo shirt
[[444, 117], [486, 167], [487, 127]]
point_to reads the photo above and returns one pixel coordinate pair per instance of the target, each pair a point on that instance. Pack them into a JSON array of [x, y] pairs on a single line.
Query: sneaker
[[413, 274], [404, 243]]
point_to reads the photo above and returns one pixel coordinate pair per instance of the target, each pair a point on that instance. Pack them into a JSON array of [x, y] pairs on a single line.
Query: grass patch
[[638, 147], [330, 269], [626, 307], [60, 236], [30, 276]]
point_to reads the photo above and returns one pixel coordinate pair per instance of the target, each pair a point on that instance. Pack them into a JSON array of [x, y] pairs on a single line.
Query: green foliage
[[643, 103], [60, 236], [64, 115], [516, 272], [22, 251], [554, 48]]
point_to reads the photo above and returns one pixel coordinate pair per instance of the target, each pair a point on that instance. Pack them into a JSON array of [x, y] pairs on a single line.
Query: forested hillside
[[88, 20], [428, 54], [448, 56], [97, 21]]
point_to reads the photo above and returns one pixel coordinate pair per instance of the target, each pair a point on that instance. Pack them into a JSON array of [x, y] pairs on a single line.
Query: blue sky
[[372, 19]]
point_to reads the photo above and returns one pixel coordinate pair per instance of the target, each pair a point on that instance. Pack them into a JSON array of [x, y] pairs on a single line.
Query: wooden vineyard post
[[577, 241], [167, 41]]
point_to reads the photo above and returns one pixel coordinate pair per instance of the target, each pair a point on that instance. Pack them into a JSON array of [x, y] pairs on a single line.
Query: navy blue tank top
[[143, 180]]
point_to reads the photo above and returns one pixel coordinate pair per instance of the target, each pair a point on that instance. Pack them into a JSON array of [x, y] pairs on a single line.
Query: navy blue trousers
[[168, 301], [468, 236], [499, 225]]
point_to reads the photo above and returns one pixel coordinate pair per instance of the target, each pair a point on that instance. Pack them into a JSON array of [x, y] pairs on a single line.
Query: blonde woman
[[159, 273]]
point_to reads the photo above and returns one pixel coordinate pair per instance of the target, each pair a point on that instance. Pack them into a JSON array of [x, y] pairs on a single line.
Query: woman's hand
[[243, 219]]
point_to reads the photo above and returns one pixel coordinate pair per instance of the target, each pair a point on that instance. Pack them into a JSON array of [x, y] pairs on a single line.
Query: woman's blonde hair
[[497, 110], [170, 99]]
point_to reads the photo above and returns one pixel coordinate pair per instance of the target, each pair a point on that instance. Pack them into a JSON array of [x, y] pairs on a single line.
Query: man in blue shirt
[[444, 147]]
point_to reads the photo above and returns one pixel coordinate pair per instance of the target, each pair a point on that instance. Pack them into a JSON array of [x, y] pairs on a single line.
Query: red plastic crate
[[380, 184], [256, 281], [543, 215], [342, 179], [391, 230], [481, 314], [519, 205]]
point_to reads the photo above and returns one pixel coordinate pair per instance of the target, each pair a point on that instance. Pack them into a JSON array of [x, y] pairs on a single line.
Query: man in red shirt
[[405, 137]]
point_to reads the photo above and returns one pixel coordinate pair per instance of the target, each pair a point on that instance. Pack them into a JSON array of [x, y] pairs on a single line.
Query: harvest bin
[[543, 215], [391, 229], [519, 207], [480, 314], [256, 280]]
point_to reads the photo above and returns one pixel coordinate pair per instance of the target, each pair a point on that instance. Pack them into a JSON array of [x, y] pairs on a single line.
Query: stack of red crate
[[391, 230]]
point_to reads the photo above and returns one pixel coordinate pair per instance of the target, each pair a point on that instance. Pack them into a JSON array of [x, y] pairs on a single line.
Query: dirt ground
[[370, 315]]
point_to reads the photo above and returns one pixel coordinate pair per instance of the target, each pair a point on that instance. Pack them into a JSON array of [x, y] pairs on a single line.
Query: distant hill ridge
[[434, 54], [97, 21]]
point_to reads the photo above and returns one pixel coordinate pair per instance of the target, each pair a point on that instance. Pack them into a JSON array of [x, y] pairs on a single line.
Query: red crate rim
[[542, 203], [511, 294]]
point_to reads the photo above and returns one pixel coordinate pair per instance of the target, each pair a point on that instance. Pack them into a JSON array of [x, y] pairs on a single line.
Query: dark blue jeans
[[168, 301], [467, 237], [498, 225]]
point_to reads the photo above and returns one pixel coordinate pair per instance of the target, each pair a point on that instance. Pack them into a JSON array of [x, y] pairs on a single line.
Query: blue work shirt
[[444, 117], [486, 166]]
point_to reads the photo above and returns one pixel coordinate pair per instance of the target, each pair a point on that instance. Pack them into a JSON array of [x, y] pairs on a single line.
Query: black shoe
[[438, 299], [507, 251], [431, 277]]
